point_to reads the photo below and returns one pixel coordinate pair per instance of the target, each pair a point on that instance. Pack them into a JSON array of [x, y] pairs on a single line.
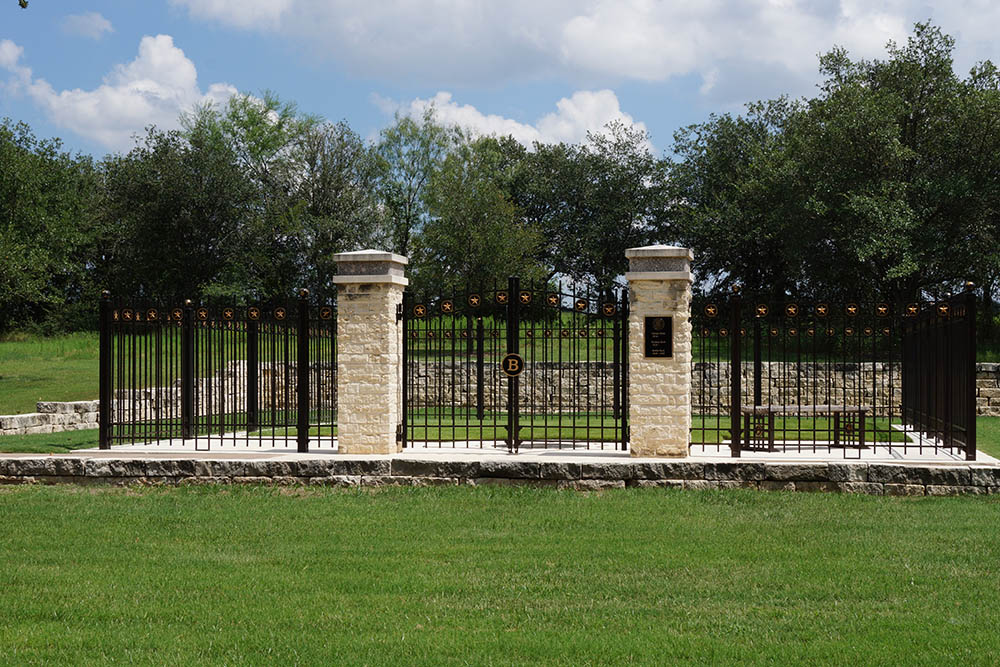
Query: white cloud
[[585, 111], [600, 42], [91, 25], [153, 89]]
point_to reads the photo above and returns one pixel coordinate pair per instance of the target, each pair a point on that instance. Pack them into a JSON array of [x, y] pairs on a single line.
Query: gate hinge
[[399, 432], [399, 312]]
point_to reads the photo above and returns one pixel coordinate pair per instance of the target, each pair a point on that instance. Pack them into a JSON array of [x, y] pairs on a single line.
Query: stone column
[[369, 351], [659, 372]]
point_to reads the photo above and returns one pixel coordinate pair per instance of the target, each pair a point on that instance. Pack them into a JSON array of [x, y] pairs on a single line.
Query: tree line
[[887, 181]]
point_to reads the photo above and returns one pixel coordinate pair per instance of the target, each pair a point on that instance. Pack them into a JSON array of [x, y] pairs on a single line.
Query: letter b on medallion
[[512, 365]]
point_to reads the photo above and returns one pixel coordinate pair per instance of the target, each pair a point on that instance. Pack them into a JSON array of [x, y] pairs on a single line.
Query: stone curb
[[864, 478]]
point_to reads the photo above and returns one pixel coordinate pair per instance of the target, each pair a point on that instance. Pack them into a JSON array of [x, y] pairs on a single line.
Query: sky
[[97, 73]]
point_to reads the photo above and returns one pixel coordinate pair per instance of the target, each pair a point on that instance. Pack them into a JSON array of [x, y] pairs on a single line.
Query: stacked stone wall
[[352, 471]]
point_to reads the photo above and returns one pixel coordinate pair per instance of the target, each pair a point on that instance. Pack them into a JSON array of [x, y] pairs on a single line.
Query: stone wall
[[988, 389], [52, 417], [352, 471]]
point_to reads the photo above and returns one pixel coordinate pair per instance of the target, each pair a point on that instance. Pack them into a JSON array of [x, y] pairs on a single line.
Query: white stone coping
[[370, 256], [660, 251], [378, 278], [658, 275]]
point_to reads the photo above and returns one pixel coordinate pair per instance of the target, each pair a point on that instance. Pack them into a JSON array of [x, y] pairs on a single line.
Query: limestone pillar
[[369, 351], [659, 356]]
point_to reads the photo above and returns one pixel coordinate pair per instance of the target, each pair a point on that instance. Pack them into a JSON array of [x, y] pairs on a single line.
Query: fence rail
[[218, 374], [789, 375]]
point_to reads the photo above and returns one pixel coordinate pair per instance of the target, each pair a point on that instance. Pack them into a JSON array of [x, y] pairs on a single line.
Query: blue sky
[[97, 73]]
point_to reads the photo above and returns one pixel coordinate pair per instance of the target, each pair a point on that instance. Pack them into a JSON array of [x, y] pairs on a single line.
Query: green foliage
[[475, 235], [885, 182], [47, 202], [409, 152]]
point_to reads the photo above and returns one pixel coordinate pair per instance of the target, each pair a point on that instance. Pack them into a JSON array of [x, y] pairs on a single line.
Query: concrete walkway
[[215, 448]]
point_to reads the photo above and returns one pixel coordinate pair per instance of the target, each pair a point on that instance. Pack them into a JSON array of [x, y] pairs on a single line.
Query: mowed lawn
[[32, 369], [494, 575]]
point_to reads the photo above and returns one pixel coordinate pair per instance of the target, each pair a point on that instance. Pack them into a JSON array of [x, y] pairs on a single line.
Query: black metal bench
[[757, 418]]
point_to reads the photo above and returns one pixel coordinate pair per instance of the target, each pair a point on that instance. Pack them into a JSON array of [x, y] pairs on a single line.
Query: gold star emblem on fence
[[882, 310], [608, 309], [151, 314], [279, 313], [524, 297], [326, 313], [761, 310], [552, 299], [581, 304], [912, 309], [447, 307], [177, 314], [501, 297], [791, 310], [711, 310], [475, 300], [420, 310], [942, 310], [227, 314], [253, 312], [202, 313], [116, 316], [851, 309], [127, 315]]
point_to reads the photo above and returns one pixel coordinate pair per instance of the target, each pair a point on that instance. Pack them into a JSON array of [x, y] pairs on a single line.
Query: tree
[[47, 204], [594, 201], [884, 182], [173, 220], [475, 234], [409, 151]]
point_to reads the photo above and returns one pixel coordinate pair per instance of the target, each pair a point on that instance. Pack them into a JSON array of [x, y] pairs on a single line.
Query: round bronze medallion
[[912, 309], [227, 313], [711, 310], [152, 315], [849, 331], [447, 307], [128, 314], [177, 314], [524, 297], [882, 310], [943, 310], [202, 314], [822, 310], [793, 332], [791, 310], [501, 297], [475, 300], [419, 310], [761, 310], [581, 305], [253, 313], [868, 331], [564, 333], [552, 299], [326, 313], [723, 332], [851, 309], [608, 309], [280, 313]]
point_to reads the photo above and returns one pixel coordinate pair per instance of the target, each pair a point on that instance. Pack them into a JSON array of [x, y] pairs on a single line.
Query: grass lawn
[[493, 575], [36, 369]]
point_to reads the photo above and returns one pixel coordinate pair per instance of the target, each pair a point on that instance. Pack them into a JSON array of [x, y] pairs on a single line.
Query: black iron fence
[[789, 375], [517, 366], [218, 374]]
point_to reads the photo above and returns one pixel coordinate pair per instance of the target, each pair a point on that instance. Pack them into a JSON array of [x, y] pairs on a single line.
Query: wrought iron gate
[[522, 366]]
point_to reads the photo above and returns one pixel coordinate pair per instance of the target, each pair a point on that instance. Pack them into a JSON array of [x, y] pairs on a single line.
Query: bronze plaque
[[659, 336]]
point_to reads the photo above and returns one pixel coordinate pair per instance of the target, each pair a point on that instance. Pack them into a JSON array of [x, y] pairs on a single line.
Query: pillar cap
[[370, 256], [652, 251]]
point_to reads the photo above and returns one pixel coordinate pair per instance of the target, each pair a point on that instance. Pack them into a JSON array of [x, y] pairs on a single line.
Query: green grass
[[988, 435], [44, 443], [464, 425], [36, 369], [494, 576]]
